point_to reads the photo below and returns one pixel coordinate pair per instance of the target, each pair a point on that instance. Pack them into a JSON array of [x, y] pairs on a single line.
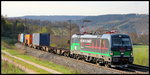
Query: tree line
[[59, 31]]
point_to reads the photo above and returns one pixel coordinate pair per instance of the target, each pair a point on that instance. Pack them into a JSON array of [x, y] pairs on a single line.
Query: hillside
[[123, 22], [136, 25], [51, 18]]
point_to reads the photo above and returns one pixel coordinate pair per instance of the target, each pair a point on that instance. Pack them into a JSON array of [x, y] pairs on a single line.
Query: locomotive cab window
[[121, 42]]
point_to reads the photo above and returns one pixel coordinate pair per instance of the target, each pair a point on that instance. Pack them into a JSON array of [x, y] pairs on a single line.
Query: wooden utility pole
[[24, 25], [70, 34]]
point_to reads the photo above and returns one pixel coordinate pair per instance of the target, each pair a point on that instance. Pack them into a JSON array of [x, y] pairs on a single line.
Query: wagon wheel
[[41, 49], [77, 57], [86, 59], [97, 63], [107, 65], [65, 54], [71, 56]]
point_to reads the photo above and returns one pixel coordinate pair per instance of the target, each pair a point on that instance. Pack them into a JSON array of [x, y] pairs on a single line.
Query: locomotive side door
[[75, 45], [104, 45]]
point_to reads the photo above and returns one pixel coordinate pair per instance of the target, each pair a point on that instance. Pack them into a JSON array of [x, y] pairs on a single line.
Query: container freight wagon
[[28, 39], [112, 50], [40, 39], [22, 38]]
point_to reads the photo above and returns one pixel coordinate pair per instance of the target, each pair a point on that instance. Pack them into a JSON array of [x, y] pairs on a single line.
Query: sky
[[84, 8]]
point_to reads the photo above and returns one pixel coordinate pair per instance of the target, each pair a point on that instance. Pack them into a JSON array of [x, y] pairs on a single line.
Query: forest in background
[[131, 22], [59, 31]]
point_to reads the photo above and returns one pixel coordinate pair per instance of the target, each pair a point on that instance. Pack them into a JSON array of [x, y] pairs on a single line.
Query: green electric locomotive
[[111, 50]]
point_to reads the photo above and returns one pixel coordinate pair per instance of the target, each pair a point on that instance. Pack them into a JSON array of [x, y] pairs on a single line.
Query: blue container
[[41, 39], [22, 37]]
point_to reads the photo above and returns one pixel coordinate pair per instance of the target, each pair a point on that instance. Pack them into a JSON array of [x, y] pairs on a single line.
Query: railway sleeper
[[66, 54], [71, 55], [75, 56]]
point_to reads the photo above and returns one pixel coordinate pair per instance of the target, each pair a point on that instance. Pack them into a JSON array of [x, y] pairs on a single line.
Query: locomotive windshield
[[121, 42]]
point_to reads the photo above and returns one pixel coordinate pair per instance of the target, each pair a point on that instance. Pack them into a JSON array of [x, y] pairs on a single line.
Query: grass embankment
[[8, 68], [45, 63], [38, 70], [141, 55]]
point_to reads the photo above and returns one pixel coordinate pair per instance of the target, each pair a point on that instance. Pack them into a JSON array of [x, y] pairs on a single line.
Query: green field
[[8, 68], [27, 65], [45, 63], [141, 55]]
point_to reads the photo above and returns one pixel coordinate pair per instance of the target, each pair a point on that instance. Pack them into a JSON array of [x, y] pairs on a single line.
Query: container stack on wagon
[[28, 39], [41, 39], [35, 39], [22, 37]]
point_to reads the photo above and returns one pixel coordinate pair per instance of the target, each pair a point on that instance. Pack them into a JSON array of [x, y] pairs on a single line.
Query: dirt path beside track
[[29, 71], [34, 64]]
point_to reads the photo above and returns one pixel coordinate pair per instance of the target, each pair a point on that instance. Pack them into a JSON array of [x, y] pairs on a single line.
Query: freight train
[[109, 49]]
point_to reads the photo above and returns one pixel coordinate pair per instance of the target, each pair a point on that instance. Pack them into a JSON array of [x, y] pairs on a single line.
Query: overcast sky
[[22, 8]]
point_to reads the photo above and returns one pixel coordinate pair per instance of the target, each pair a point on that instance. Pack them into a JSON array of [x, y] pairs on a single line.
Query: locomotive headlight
[[122, 53], [131, 54]]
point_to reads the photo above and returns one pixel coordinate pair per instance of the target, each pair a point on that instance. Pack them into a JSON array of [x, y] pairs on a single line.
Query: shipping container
[[28, 39], [19, 37], [41, 39], [22, 37]]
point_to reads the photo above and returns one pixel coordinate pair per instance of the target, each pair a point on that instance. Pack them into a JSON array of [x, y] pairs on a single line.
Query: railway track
[[132, 69], [93, 64], [127, 70], [139, 69], [144, 68]]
